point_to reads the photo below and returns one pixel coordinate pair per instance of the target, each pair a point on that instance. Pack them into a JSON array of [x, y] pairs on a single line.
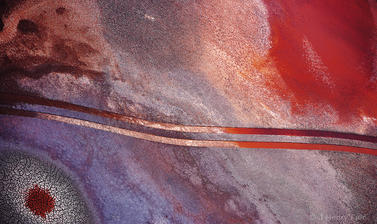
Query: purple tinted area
[[121, 191]]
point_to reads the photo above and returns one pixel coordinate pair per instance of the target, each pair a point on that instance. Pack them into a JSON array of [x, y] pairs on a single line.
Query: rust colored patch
[[324, 51], [39, 201]]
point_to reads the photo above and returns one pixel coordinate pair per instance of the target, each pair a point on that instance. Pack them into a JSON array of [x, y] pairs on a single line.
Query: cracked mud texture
[[20, 173]]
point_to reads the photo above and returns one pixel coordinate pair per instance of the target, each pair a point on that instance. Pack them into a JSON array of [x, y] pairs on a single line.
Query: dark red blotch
[[39, 201]]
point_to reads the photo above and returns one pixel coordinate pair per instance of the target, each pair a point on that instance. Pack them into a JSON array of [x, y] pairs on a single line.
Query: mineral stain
[[342, 35], [39, 201]]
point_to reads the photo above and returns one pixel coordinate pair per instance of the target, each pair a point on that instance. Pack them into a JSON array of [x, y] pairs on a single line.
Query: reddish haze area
[[341, 36]]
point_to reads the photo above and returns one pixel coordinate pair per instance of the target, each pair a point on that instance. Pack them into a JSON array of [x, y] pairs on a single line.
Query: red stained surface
[[306, 146], [341, 33], [39, 201], [295, 132]]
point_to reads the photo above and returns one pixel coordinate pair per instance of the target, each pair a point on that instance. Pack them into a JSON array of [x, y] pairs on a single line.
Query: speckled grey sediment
[[21, 172]]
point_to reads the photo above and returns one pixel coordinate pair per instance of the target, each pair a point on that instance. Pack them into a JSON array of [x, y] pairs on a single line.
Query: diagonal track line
[[187, 142], [12, 99]]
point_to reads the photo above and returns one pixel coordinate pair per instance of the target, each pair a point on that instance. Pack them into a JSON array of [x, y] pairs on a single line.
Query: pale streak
[[139, 135]]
